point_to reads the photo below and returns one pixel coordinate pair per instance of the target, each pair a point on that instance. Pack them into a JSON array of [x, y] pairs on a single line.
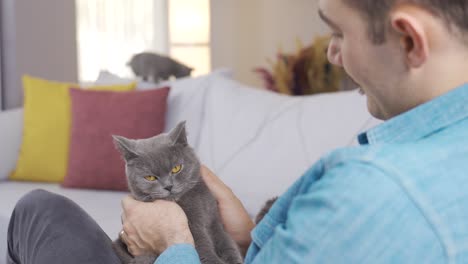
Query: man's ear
[[412, 34]]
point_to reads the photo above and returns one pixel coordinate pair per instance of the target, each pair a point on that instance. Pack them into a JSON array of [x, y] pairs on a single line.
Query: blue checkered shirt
[[401, 196]]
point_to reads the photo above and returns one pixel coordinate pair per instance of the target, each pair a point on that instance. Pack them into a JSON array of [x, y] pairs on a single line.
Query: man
[[400, 197]]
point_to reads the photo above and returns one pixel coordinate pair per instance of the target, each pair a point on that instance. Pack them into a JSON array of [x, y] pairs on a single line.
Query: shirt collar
[[422, 120]]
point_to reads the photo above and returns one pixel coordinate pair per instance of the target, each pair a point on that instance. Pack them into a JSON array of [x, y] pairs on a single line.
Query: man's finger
[[123, 237], [122, 218], [133, 247], [134, 251], [210, 178], [216, 186]]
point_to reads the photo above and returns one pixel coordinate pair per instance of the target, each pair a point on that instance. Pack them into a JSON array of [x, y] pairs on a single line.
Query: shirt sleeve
[[179, 253], [353, 214]]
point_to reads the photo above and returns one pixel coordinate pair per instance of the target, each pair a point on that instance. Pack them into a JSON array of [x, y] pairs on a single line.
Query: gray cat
[[166, 167], [157, 67]]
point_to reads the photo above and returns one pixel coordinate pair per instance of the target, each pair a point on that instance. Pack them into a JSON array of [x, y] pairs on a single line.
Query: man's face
[[378, 69]]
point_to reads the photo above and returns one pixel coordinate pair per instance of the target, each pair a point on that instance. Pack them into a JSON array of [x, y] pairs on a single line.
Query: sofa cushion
[[94, 162], [103, 206], [260, 142], [11, 125], [46, 130]]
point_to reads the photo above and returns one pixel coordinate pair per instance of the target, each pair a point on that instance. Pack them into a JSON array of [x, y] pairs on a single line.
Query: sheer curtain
[[109, 32]]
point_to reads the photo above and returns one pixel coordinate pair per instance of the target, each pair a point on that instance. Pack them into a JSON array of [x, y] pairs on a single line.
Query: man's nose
[[334, 53]]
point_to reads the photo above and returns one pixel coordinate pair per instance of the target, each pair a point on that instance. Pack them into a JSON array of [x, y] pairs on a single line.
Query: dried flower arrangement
[[306, 72]]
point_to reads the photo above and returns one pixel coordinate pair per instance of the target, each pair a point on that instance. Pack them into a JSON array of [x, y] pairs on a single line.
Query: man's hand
[[150, 228], [234, 216]]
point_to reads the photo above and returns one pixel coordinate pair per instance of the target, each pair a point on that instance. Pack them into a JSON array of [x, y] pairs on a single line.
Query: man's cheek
[[351, 65]]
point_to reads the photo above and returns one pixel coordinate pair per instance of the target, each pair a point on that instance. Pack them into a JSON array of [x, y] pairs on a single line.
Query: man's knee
[[38, 200]]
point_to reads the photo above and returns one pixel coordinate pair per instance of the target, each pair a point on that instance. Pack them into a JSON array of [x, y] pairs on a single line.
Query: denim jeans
[[47, 228]]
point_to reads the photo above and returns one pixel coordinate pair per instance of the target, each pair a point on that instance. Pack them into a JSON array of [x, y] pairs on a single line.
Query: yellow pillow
[[46, 130]]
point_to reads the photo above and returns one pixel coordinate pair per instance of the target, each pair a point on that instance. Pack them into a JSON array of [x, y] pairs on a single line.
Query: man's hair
[[453, 12]]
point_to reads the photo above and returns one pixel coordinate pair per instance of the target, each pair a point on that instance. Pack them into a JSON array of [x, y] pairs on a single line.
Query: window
[[189, 35], [109, 32]]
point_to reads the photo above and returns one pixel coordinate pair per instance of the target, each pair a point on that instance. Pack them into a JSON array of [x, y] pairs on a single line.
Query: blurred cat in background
[[156, 67]]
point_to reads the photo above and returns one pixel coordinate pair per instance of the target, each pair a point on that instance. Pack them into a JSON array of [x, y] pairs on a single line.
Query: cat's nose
[[168, 187]]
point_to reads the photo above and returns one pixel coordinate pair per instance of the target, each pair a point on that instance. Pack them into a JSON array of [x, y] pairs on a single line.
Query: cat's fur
[[156, 156], [156, 67], [265, 209]]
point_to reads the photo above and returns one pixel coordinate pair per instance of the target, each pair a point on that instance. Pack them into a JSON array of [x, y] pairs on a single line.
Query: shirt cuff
[[179, 253]]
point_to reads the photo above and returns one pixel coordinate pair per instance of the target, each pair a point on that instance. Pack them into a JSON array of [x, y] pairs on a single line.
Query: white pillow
[[109, 78], [11, 127], [260, 142]]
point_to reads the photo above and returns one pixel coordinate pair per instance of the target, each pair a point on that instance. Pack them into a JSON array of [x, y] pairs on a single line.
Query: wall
[[244, 33], [1, 90], [39, 39]]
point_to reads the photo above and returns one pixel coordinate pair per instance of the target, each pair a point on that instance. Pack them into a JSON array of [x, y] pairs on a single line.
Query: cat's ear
[[126, 147], [178, 134]]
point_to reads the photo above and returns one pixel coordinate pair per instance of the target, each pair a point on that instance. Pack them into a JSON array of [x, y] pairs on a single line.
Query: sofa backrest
[[257, 141], [260, 142]]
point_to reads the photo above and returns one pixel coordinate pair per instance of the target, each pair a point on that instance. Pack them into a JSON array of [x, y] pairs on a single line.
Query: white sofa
[[258, 142]]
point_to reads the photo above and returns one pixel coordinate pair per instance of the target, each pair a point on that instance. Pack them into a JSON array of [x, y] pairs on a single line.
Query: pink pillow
[[94, 162]]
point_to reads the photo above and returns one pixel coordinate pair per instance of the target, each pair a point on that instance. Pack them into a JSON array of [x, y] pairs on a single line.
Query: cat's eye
[[150, 178], [176, 169]]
